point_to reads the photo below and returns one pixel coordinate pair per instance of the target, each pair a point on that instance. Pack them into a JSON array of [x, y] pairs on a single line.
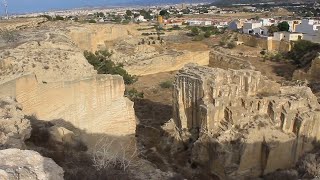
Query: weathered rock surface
[[18, 164], [240, 123], [94, 105], [151, 59], [309, 166], [14, 128], [52, 57], [92, 37]]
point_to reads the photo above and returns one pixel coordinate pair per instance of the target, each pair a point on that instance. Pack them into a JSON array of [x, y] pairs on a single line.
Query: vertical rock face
[[95, 105], [18, 164], [240, 123]]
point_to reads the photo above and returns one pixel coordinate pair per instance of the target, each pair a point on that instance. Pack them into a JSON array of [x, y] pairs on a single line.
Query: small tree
[[231, 45], [272, 29], [207, 34], [284, 26], [195, 31], [129, 13]]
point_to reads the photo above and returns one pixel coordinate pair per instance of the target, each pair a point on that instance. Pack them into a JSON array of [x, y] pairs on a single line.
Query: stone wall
[[253, 41], [94, 105], [265, 43], [242, 124]]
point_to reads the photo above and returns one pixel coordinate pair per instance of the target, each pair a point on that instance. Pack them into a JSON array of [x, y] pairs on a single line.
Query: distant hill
[[259, 1]]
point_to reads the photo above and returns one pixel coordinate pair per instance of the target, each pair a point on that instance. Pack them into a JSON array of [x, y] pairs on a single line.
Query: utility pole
[[5, 4]]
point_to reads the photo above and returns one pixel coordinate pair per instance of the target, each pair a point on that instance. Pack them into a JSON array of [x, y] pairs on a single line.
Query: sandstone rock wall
[[93, 37], [225, 61], [95, 105], [167, 62], [243, 124]]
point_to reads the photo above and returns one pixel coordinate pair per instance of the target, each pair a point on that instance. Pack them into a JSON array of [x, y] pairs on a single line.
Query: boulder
[[18, 164], [61, 135]]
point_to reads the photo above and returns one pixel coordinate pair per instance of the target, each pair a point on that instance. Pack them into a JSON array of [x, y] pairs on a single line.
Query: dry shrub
[[114, 153]]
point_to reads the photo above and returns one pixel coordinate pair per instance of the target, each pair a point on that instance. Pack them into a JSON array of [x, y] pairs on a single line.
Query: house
[[287, 36], [308, 26], [199, 22], [140, 19], [252, 27], [267, 21], [236, 25], [293, 25]]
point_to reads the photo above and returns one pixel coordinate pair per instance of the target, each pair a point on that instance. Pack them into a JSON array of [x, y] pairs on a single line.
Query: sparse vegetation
[[133, 94], [101, 62], [166, 84], [231, 45], [92, 21], [114, 153], [199, 37], [301, 49], [9, 35]]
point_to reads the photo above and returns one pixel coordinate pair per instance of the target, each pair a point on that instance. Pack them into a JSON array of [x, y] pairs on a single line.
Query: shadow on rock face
[[63, 142]]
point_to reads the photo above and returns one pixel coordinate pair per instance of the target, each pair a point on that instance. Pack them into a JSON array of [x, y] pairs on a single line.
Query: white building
[[267, 21], [199, 23], [287, 36], [308, 26], [140, 19], [251, 27]]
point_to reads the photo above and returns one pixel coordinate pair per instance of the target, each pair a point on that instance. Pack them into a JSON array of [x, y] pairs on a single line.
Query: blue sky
[[21, 6]]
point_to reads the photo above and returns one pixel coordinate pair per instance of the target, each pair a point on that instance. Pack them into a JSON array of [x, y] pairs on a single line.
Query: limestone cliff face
[[92, 37], [149, 59], [242, 124], [95, 104], [167, 62]]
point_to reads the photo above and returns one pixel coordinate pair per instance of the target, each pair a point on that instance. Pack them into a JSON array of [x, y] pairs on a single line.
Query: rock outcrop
[[14, 128], [54, 58], [18, 164], [92, 37], [151, 59], [241, 124], [95, 105]]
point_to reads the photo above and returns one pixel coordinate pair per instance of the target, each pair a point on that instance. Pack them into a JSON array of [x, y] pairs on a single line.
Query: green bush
[[133, 94], [101, 62], [231, 45], [59, 18], [222, 43], [195, 31], [207, 34], [300, 49], [166, 84], [92, 21]]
